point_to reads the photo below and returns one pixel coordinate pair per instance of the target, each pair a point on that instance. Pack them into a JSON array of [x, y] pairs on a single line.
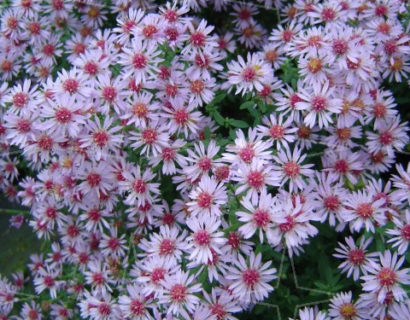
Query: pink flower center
[[57, 4], [204, 200], [171, 90], [247, 153], [170, 15], [149, 30], [341, 166], [234, 240], [100, 138], [109, 93], [139, 61], [250, 277], [168, 218], [386, 138], [149, 135], [249, 74], [181, 116], [287, 35], [94, 215], [178, 293], [288, 225], [328, 14], [319, 103], [380, 10], [205, 164], [34, 28], [113, 243], [344, 134], [93, 179], [202, 238], [20, 99], [293, 99], [379, 110], [104, 309], [91, 68], [48, 281], [405, 232], [353, 65], [218, 310], [331, 203], [364, 210], [256, 179], [277, 131], [168, 154], [261, 218], [70, 85], [291, 169], [51, 213], [222, 173], [197, 86], [63, 115], [386, 277], [166, 247], [72, 231], [32, 314], [23, 125], [48, 49], [356, 256], [157, 274], [139, 186], [244, 14], [137, 307], [339, 46], [197, 39], [202, 61]]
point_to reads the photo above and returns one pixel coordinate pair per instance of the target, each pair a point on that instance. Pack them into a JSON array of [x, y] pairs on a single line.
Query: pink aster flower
[[355, 257], [343, 307], [250, 278], [207, 198], [386, 277]]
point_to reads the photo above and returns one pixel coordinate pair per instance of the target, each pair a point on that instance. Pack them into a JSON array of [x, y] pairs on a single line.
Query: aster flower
[[355, 256], [342, 307], [386, 277], [207, 198], [279, 131], [249, 75], [400, 233], [134, 305], [311, 314], [251, 278]]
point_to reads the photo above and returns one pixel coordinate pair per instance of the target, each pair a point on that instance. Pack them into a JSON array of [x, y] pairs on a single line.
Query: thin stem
[[14, 211]]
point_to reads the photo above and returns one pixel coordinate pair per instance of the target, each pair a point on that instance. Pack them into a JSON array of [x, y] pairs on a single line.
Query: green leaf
[[218, 98], [238, 123], [247, 105], [218, 118]]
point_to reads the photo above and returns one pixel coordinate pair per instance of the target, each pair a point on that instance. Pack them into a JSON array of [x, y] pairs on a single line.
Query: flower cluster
[[153, 202]]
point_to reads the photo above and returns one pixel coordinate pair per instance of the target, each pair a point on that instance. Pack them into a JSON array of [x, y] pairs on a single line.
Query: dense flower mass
[[165, 161]]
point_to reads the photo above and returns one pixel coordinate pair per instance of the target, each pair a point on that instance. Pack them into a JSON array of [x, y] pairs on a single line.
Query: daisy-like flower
[[400, 233], [246, 150], [221, 304], [207, 198], [343, 163], [168, 243], [152, 138], [362, 211], [290, 169], [249, 75], [139, 186], [342, 307], [204, 238], [391, 135], [297, 213], [63, 115], [319, 103], [199, 38], [281, 132], [140, 110], [182, 119], [342, 133], [356, 259], [24, 98], [201, 161], [113, 245], [140, 60], [101, 139], [169, 156], [135, 305], [255, 178], [97, 178], [330, 194], [386, 277], [110, 93], [72, 82], [313, 68], [260, 216], [46, 280], [178, 294], [250, 278]]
